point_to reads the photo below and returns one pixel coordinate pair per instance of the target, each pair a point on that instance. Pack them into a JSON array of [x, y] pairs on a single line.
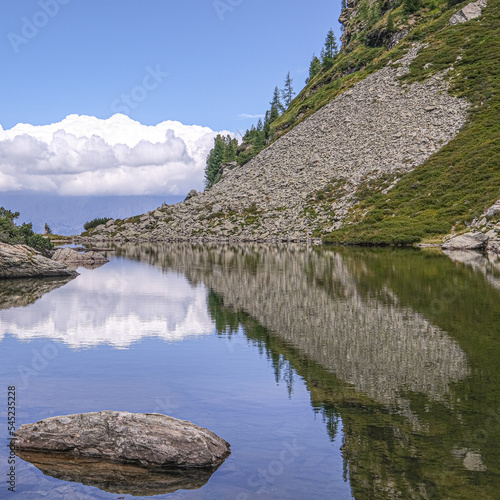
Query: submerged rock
[[148, 440], [123, 479], [21, 261]]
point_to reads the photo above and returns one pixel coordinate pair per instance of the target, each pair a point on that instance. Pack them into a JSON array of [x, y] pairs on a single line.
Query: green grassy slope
[[460, 181], [463, 178]]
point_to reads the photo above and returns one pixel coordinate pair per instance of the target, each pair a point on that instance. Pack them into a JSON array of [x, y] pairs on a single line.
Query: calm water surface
[[333, 374]]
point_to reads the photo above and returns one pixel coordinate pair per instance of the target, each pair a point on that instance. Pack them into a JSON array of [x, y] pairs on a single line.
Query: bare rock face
[[470, 11], [467, 241], [21, 261], [74, 259], [148, 440], [191, 194]]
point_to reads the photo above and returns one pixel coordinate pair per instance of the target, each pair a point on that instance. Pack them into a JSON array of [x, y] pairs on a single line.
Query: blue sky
[[223, 58], [210, 65]]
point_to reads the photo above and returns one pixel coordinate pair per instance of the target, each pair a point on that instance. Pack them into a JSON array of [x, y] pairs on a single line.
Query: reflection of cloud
[[83, 155], [107, 306]]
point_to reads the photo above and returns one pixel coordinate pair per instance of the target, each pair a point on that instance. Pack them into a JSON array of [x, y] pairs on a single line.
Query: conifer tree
[[231, 145], [390, 23], [288, 93], [260, 141], [329, 50], [331, 47], [314, 68], [224, 151], [214, 160], [276, 105]]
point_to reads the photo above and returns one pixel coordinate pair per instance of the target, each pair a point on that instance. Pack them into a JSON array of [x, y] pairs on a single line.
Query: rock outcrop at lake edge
[[467, 241], [149, 440], [74, 259], [483, 235], [21, 261]]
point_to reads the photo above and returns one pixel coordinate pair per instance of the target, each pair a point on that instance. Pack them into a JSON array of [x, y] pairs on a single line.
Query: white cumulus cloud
[[84, 155]]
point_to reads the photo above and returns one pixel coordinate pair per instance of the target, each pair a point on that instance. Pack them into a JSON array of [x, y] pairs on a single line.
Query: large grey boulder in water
[[149, 440], [21, 261]]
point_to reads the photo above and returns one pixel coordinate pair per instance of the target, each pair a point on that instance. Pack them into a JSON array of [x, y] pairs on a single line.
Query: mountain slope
[[374, 150]]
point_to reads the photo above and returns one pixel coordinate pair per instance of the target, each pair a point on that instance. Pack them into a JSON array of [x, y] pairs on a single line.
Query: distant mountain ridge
[[66, 215]]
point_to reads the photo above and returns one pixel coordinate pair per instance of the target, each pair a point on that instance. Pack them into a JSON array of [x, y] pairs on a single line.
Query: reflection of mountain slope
[[339, 314], [488, 264], [107, 306], [22, 292], [310, 300]]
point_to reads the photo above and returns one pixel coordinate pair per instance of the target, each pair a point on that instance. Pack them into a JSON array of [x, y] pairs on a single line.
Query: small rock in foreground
[[148, 440]]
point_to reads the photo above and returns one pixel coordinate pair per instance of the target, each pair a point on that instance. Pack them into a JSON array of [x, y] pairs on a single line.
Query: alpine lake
[[334, 373]]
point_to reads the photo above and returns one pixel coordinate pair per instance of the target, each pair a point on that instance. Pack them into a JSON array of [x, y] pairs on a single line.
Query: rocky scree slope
[[309, 181], [379, 126]]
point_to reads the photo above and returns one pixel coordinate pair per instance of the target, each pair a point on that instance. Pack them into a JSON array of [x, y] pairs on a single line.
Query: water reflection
[[23, 292], [487, 264], [312, 302], [369, 332], [112, 305], [399, 349], [117, 478]]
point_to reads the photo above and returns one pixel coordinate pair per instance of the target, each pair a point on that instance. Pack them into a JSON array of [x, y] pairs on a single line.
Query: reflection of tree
[[361, 329], [228, 322]]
